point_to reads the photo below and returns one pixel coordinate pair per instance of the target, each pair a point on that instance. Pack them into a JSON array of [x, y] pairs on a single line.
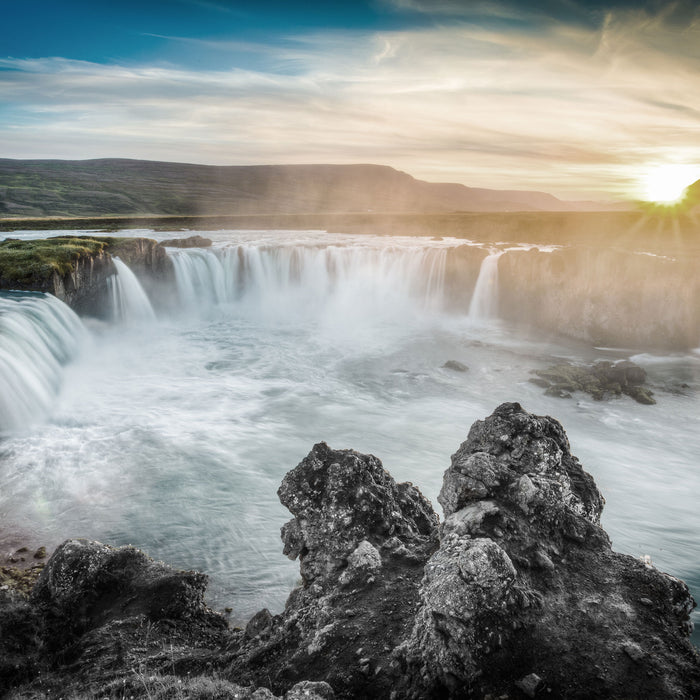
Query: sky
[[579, 99]]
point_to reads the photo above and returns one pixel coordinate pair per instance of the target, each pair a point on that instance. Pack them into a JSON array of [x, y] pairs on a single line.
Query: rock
[[307, 690], [85, 585], [341, 498], [455, 366], [517, 594], [363, 562], [530, 684], [601, 380], [20, 639], [19, 578], [602, 294], [260, 624], [534, 583], [362, 540], [189, 242]]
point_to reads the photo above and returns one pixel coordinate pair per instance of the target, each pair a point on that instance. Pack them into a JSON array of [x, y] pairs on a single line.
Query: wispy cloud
[[570, 108]]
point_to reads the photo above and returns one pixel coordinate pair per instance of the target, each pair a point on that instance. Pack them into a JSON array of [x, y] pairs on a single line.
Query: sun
[[666, 184]]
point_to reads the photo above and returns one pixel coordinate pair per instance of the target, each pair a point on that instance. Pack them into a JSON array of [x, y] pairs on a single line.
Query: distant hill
[[30, 188], [692, 194]]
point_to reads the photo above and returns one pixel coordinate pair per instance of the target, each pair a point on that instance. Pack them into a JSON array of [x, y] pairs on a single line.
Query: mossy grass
[[27, 260]]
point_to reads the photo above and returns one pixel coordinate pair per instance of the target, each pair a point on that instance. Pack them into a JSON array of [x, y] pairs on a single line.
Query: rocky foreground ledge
[[517, 594]]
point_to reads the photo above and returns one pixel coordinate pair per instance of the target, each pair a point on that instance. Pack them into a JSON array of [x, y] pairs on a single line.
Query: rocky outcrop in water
[[516, 594], [601, 380]]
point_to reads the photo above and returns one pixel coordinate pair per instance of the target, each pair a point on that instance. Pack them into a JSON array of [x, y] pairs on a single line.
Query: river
[[172, 429]]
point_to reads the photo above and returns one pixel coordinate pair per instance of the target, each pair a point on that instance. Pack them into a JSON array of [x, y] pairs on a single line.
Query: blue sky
[[579, 99]]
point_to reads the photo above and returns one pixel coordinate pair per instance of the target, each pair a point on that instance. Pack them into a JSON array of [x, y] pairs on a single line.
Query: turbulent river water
[[172, 429]]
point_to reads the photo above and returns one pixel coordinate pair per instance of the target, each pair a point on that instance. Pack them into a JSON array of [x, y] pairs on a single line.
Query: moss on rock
[[34, 260]]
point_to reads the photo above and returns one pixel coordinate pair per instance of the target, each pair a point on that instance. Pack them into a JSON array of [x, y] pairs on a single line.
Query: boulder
[[455, 366], [601, 380], [342, 499]]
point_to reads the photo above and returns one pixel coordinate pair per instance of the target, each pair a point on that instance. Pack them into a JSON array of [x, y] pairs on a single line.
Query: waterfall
[[130, 303], [200, 278], [484, 303], [38, 335], [312, 279]]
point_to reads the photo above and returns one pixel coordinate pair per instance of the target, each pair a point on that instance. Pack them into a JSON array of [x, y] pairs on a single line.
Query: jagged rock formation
[[516, 594], [525, 591]]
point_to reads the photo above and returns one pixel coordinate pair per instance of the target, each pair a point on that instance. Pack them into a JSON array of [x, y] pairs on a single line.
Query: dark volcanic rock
[[456, 366], [525, 582], [517, 594], [600, 380], [87, 584], [189, 242], [342, 499], [522, 596], [362, 540]]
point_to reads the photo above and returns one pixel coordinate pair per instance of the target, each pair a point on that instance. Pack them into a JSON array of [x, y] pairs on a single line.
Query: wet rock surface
[[456, 366], [601, 380], [517, 594], [82, 280]]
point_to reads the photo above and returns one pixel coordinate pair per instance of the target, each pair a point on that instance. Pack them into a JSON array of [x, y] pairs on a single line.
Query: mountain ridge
[[114, 186]]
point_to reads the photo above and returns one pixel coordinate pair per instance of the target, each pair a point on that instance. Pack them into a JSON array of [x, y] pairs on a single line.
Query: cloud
[[566, 109]]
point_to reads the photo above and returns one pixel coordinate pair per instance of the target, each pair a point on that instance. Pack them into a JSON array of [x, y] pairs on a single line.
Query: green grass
[[27, 261]]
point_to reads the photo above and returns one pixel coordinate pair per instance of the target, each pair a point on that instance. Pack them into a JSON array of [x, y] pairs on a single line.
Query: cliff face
[[516, 594], [603, 296], [84, 288], [76, 269]]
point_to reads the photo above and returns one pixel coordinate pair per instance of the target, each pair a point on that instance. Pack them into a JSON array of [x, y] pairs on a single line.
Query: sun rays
[[667, 184]]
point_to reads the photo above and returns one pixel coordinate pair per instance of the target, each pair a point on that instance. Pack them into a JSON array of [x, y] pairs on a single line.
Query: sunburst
[[667, 184]]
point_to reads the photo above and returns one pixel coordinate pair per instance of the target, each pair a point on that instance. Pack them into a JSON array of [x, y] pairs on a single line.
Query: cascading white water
[[328, 280], [295, 337], [130, 304], [38, 335], [484, 301]]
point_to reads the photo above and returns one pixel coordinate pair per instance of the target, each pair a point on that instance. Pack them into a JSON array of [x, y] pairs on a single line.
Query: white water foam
[[174, 436], [130, 304], [38, 335]]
